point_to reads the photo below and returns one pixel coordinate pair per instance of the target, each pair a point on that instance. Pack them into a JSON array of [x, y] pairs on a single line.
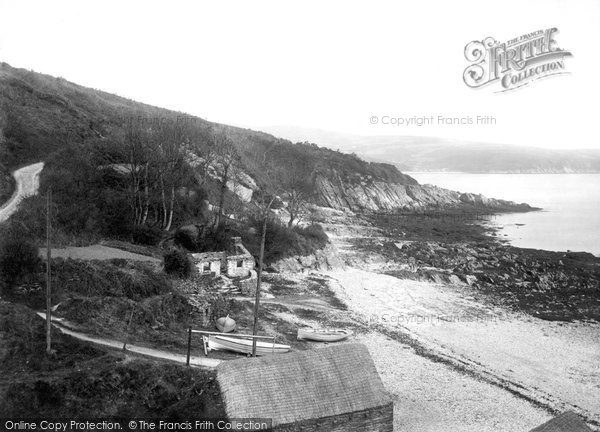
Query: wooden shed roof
[[302, 385], [566, 422]]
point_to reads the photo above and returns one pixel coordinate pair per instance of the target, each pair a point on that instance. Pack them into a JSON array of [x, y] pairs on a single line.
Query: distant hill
[[437, 154]]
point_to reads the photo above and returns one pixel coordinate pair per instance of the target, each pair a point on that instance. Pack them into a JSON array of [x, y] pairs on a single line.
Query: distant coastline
[[410, 173], [570, 205]]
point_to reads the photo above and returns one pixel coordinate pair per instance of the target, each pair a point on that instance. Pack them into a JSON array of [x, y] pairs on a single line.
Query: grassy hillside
[[43, 114], [162, 177], [6, 184], [90, 382]]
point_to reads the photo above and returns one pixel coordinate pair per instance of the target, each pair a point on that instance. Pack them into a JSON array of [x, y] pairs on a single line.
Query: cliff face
[[370, 194]]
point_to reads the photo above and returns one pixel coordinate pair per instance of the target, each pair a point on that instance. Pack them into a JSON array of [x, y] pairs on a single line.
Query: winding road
[[28, 183]]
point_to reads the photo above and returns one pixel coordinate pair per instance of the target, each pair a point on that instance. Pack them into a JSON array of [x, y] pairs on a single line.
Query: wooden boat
[[244, 346], [226, 324], [324, 335]]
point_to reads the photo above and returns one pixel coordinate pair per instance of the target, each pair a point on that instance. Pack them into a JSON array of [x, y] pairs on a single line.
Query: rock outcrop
[[371, 194], [327, 258]]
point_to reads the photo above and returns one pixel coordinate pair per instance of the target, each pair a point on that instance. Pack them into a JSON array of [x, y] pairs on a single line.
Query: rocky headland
[[362, 193]]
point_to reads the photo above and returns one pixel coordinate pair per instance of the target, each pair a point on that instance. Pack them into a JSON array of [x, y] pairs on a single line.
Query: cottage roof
[[302, 385], [236, 250], [208, 256]]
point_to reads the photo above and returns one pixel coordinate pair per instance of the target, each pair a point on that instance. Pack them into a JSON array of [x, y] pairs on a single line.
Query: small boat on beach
[[244, 346], [324, 335]]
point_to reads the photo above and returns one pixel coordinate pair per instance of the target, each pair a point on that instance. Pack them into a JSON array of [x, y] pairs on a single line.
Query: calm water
[[571, 202]]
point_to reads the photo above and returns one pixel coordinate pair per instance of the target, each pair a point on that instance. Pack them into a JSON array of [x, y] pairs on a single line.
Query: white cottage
[[240, 262], [209, 262], [236, 262]]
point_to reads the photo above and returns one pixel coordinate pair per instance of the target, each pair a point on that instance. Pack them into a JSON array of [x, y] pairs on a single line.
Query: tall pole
[[48, 274], [258, 278]]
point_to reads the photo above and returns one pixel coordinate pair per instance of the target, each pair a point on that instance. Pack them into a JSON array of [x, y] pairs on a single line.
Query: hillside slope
[[41, 116]]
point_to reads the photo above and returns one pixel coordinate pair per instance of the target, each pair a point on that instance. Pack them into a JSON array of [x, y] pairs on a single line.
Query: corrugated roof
[[566, 422], [302, 385]]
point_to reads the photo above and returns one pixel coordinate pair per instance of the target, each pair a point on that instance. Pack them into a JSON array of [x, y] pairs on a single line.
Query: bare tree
[[227, 162], [265, 196], [296, 187], [168, 148], [137, 161], [201, 144]]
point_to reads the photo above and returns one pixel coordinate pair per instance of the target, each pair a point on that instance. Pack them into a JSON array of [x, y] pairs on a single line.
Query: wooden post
[[48, 274], [128, 330], [189, 347], [258, 279]]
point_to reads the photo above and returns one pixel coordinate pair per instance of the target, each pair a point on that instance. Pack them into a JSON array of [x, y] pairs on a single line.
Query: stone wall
[[247, 286], [379, 419], [234, 270], [215, 267]]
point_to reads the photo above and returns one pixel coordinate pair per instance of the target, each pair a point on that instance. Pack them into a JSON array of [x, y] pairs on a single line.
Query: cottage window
[[240, 263], [206, 267]]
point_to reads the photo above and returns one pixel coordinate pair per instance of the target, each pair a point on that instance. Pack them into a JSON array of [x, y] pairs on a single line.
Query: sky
[[332, 65]]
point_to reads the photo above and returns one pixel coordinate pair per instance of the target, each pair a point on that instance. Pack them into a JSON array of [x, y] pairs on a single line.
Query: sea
[[570, 203]]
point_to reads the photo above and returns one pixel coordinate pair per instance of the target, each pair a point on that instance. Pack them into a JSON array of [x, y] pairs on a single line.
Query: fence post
[[189, 348]]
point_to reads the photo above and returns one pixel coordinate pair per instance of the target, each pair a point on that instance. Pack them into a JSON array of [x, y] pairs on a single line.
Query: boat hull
[[244, 346], [226, 325], [332, 335]]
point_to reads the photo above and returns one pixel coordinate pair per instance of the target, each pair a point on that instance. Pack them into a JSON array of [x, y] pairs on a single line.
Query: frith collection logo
[[515, 63]]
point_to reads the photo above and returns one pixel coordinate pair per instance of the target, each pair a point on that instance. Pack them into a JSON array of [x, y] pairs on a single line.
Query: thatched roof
[[566, 422], [302, 385]]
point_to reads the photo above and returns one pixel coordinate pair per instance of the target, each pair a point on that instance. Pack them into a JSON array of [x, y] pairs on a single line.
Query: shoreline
[[502, 173], [476, 328], [497, 228]]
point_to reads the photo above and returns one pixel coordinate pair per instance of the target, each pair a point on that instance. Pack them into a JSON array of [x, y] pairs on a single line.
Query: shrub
[[187, 237], [217, 238], [149, 236], [220, 306], [18, 258], [178, 263], [314, 234], [133, 280], [282, 242]]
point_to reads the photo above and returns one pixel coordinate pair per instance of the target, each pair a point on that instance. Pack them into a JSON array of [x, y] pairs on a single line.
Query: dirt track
[[61, 326], [28, 182]]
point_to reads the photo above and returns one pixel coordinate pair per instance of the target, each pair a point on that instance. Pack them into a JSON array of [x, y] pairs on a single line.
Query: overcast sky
[[324, 64]]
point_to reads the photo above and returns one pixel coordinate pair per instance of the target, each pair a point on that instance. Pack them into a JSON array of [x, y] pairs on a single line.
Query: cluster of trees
[[144, 179], [154, 156], [151, 174]]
